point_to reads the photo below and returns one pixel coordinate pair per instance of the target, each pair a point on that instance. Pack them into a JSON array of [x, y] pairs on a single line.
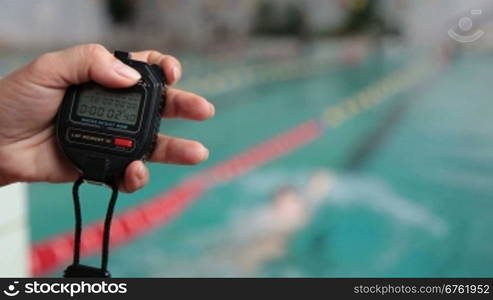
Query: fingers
[[181, 104], [170, 65], [136, 177], [178, 151], [94, 62], [81, 64], [168, 150]]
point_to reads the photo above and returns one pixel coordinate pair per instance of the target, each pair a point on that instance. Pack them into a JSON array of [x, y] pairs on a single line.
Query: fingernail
[[176, 74], [141, 174], [125, 71], [212, 109], [198, 154], [205, 154]]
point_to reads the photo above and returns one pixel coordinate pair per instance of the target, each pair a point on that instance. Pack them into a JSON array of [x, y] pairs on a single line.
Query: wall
[[51, 24], [14, 232]]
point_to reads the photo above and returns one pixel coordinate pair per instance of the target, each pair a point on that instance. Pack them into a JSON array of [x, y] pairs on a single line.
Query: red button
[[123, 143]]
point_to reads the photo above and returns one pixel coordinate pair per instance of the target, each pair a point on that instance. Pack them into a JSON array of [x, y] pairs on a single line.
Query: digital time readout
[[98, 103]]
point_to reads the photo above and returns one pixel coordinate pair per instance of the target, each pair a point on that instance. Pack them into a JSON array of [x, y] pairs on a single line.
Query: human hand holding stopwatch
[[30, 98]]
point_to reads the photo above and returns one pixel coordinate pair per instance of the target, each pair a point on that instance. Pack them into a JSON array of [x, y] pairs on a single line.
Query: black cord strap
[[76, 269], [107, 227], [78, 220]]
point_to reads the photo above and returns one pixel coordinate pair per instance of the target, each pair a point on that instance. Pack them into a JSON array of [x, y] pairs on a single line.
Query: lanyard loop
[[76, 269]]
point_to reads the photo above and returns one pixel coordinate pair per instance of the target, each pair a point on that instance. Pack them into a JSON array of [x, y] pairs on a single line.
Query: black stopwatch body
[[102, 130]]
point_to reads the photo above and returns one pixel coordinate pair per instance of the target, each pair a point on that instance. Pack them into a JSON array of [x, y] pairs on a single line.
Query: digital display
[[101, 104]]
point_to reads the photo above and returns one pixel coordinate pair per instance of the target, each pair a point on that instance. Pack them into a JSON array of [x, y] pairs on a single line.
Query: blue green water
[[419, 205]]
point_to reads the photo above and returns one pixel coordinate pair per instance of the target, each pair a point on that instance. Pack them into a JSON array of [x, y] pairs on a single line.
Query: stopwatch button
[[122, 55], [126, 143]]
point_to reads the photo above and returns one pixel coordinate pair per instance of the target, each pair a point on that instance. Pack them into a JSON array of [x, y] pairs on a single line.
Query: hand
[[29, 101]]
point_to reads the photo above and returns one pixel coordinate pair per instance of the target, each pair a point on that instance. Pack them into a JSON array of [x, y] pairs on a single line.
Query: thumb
[[81, 64]]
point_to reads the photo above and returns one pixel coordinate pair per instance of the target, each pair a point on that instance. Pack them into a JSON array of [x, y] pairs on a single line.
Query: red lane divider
[[54, 252], [267, 151]]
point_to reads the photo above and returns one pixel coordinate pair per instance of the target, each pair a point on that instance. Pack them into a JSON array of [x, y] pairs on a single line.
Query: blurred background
[[352, 138]]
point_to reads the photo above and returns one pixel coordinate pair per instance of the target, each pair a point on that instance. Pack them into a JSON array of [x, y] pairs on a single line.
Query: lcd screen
[[98, 103]]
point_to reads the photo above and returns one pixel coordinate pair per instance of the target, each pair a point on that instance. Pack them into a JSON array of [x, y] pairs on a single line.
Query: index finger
[[170, 65]]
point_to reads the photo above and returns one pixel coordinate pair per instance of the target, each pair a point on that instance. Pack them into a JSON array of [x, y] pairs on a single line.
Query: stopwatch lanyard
[[76, 269]]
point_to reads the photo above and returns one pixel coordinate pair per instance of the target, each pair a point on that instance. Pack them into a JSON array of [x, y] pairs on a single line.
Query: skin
[[31, 95]]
